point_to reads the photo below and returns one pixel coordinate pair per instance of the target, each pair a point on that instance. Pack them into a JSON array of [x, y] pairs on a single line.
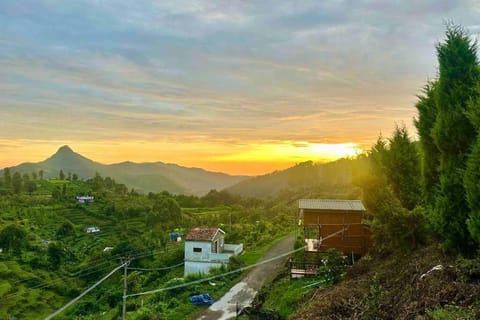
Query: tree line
[[433, 185]]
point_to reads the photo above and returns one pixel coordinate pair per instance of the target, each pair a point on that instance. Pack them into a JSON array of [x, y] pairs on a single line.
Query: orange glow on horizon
[[237, 159]]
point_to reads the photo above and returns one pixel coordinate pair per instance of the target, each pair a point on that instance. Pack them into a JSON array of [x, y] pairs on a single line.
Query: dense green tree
[[61, 175], [40, 174], [7, 178], [66, 229], [17, 182], [472, 174], [427, 114], [394, 225], [402, 167], [55, 255], [97, 182], [126, 248], [453, 133], [75, 177], [165, 211], [472, 187], [34, 175], [13, 238], [30, 186]]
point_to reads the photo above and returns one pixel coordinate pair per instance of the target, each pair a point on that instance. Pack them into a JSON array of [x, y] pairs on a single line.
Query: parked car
[[202, 299]]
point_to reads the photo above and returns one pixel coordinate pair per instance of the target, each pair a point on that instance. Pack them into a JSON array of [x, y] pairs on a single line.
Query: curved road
[[244, 292]]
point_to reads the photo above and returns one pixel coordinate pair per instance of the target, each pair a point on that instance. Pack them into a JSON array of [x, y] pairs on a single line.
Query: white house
[[93, 229], [205, 249], [84, 199]]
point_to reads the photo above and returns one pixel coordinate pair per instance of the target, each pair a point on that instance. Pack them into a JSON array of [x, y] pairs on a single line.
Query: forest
[[422, 199], [423, 202], [48, 257]]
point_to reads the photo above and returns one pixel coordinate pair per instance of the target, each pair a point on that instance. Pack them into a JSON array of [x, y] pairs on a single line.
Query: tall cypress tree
[[7, 178], [453, 133], [402, 167], [427, 114], [472, 174], [472, 188]]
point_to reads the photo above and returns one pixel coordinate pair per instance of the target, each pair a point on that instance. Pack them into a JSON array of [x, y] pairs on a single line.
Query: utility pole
[[126, 262]]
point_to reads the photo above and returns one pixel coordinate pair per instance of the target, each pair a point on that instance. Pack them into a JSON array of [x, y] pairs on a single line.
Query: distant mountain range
[[144, 177]]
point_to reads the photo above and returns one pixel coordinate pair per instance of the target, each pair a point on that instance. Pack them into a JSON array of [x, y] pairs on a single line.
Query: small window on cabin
[[197, 249]]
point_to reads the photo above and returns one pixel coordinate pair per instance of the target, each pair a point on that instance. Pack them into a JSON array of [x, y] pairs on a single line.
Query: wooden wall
[[356, 238]]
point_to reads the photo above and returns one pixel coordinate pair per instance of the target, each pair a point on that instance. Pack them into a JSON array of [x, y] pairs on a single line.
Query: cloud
[[231, 71]]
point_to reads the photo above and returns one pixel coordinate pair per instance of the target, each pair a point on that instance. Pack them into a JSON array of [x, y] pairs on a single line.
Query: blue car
[[202, 299]]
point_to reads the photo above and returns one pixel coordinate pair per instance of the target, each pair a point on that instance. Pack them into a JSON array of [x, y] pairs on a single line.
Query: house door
[[215, 246]]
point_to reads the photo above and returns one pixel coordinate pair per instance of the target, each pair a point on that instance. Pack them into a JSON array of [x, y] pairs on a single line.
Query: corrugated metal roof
[[203, 234], [331, 204]]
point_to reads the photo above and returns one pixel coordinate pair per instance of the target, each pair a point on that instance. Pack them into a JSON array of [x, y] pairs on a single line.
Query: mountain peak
[[65, 149], [65, 157]]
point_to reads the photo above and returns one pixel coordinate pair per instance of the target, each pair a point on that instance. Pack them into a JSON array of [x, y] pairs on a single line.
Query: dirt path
[[244, 292]]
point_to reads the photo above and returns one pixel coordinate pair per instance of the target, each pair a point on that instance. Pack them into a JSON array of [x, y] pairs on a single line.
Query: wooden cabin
[[334, 224]]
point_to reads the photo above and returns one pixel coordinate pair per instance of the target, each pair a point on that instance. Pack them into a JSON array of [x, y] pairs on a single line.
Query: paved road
[[244, 292]]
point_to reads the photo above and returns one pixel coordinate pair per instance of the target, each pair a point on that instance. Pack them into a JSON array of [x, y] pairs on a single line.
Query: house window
[[197, 249]]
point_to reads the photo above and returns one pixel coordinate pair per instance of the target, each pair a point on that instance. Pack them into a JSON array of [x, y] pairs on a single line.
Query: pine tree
[[7, 178], [427, 114], [472, 188], [472, 174], [402, 167], [17, 182], [453, 133]]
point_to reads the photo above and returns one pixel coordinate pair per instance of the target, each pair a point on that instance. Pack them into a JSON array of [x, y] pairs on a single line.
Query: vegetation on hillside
[[333, 180], [48, 257], [423, 204], [144, 177]]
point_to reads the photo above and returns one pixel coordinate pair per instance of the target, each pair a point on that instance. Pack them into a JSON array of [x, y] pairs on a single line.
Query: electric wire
[[84, 292], [80, 273], [157, 269], [230, 272]]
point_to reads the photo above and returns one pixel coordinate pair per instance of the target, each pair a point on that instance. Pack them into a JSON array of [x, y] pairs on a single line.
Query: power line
[[216, 276], [229, 272], [157, 269], [80, 273], [47, 284], [85, 292]]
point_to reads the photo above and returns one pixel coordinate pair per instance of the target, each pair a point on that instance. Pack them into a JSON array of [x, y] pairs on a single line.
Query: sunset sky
[[244, 87]]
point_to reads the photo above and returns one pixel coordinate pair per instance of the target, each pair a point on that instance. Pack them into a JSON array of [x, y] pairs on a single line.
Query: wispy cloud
[[233, 72]]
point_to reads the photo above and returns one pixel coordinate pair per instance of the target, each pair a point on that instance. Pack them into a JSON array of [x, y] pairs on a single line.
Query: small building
[[330, 224], [93, 229], [205, 248], [334, 224], [85, 199]]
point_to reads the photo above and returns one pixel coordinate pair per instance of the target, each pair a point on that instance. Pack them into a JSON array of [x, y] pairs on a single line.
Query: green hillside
[[143, 177], [48, 258], [303, 177]]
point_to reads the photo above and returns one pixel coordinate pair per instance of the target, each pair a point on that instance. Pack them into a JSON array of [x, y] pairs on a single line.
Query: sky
[[243, 87]]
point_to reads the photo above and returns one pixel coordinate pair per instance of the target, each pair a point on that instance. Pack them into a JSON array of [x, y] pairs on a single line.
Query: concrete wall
[[202, 262], [235, 248], [204, 255], [199, 267]]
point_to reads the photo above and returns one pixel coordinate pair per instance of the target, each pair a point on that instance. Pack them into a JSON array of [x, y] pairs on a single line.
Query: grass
[[253, 255], [449, 312], [284, 294]]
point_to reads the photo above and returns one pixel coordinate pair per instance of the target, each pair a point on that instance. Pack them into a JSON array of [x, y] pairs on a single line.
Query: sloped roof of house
[[203, 234], [331, 204]]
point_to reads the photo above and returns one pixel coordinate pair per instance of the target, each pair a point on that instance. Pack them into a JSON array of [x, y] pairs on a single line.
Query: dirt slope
[[404, 289]]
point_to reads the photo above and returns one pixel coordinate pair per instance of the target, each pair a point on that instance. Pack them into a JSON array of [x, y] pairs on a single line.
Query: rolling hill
[[305, 179], [144, 177]]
